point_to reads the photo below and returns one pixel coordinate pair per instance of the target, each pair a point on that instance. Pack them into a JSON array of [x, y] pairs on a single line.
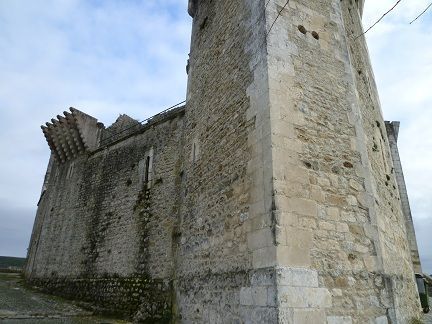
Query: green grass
[[6, 262]]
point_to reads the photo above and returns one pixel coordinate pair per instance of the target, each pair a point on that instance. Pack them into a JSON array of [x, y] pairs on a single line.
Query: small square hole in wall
[[302, 29]]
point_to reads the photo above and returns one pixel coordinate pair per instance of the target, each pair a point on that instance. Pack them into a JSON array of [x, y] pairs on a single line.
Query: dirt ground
[[21, 305]]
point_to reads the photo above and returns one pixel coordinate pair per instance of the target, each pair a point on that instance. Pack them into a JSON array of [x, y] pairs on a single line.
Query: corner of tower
[[360, 4]]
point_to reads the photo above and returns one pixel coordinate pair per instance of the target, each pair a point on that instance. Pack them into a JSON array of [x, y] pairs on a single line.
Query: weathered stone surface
[[308, 316], [296, 277], [339, 320], [381, 320], [304, 297]]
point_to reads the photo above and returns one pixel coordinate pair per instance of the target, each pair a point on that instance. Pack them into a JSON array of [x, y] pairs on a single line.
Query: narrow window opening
[[147, 170], [193, 153], [383, 156]]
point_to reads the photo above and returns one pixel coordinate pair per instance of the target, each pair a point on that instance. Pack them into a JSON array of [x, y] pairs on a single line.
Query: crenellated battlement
[[71, 135]]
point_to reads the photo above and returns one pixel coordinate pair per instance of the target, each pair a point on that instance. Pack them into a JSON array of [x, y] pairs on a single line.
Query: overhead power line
[[279, 13], [423, 12], [379, 20]]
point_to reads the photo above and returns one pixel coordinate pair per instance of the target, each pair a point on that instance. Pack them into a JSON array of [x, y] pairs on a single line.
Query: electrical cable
[[424, 11], [382, 17], [277, 17]]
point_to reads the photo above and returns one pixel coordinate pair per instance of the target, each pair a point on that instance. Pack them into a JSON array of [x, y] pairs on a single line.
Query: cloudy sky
[[107, 57]]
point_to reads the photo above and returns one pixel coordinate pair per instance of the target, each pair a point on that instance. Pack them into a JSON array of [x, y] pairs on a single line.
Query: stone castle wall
[[392, 132], [100, 229], [272, 197]]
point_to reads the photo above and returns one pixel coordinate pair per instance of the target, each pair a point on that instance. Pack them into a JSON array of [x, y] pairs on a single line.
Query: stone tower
[[291, 211]]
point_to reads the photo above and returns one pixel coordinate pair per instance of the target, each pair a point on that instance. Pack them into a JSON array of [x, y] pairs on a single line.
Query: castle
[[274, 195]]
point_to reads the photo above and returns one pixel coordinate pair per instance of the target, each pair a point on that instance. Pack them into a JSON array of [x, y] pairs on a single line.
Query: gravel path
[[21, 305]]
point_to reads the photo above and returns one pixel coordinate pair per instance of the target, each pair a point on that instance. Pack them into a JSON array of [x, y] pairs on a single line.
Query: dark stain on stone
[[348, 165]]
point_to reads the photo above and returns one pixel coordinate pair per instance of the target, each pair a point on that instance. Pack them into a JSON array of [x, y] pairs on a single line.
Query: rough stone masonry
[[275, 195]]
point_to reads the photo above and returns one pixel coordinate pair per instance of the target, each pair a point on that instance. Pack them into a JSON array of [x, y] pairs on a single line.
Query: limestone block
[[271, 296], [307, 316], [361, 248], [336, 292], [297, 251], [296, 277], [259, 296], [260, 238], [364, 199], [287, 189], [324, 182], [371, 263], [263, 258], [258, 222], [304, 297], [285, 219], [317, 194], [280, 235], [353, 143], [333, 213], [300, 206], [348, 217], [352, 200], [283, 129], [381, 320], [337, 200], [246, 296], [263, 277], [339, 320], [308, 222], [355, 185], [294, 173], [286, 315], [327, 226], [292, 256], [342, 227]]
